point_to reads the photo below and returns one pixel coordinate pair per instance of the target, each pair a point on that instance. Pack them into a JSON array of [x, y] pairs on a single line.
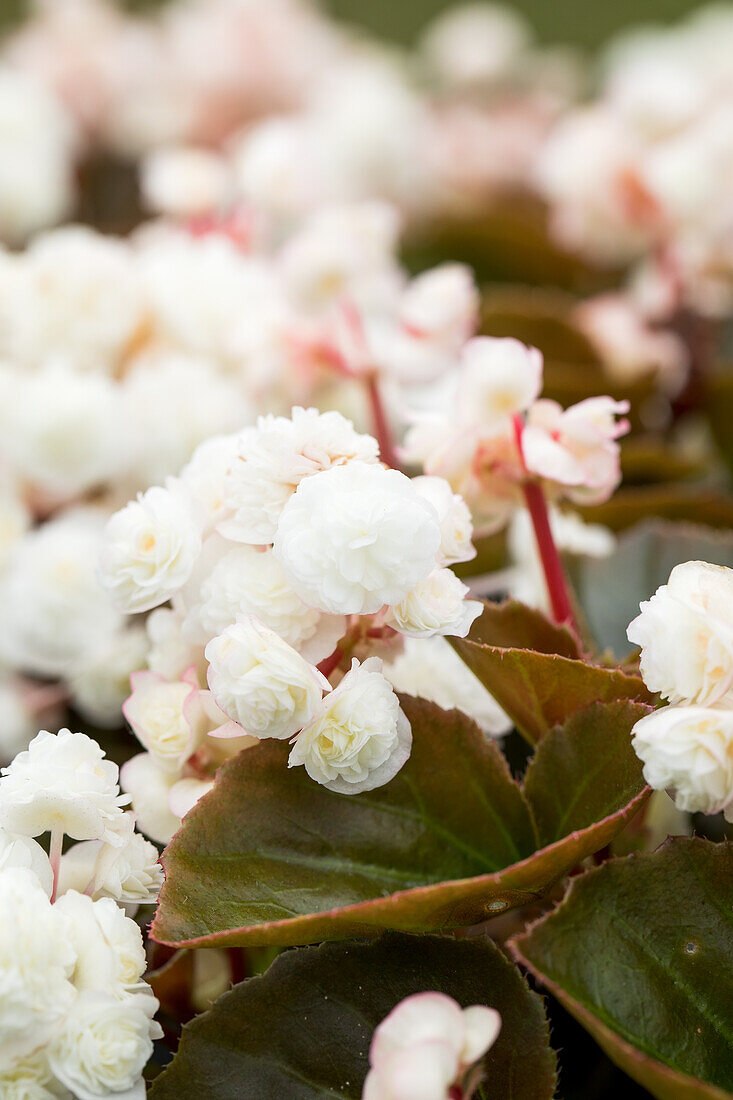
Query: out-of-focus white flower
[[129, 874], [688, 751], [61, 781], [100, 681], [15, 519], [456, 527], [18, 725], [21, 851], [685, 632], [53, 609], [356, 537], [627, 344], [275, 456], [156, 711], [174, 402], [248, 581], [149, 787], [184, 181], [425, 1045], [442, 305], [37, 175], [359, 738], [67, 432], [475, 44], [36, 963], [262, 682], [170, 653], [431, 669], [576, 447], [436, 605], [103, 1045], [150, 549], [73, 297], [498, 378]]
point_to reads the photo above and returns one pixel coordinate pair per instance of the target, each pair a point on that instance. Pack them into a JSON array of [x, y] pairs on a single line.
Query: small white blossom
[[688, 751], [261, 682], [437, 605], [456, 528], [685, 632], [103, 1045], [442, 305], [150, 549], [101, 680], [156, 711], [18, 723], [110, 956], [184, 181], [21, 851], [149, 786], [498, 378], [61, 781], [170, 653], [359, 738], [275, 456], [205, 475], [129, 874], [356, 537], [425, 1046]]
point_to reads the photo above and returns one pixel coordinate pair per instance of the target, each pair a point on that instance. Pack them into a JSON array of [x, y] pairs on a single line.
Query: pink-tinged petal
[[424, 1071], [482, 1027], [417, 1019]]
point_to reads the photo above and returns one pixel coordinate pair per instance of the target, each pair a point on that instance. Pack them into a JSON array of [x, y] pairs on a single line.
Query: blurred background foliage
[[586, 22]]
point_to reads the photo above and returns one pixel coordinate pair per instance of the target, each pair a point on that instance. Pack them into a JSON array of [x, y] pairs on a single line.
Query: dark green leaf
[[580, 771], [641, 952], [303, 1029], [514, 625], [541, 690]]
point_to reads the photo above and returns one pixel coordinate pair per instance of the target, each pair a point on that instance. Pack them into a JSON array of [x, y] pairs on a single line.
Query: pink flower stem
[[380, 424], [54, 856], [330, 664], [557, 587]]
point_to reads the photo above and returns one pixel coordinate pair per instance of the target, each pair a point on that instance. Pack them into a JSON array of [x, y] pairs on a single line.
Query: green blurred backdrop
[[588, 22]]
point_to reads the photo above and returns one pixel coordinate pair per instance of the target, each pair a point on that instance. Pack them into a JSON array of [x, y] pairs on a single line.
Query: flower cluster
[[427, 1046], [686, 640], [496, 434], [286, 552], [76, 1017]]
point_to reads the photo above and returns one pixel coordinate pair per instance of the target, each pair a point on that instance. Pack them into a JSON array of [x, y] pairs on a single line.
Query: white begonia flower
[[261, 682], [427, 1040], [36, 962], [38, 136], [499, 377], [150, 548], [456, 527], [21, 851], [103, 1045], [110, 955], [205, 475], [62, 781], [130, 874], [29, 1079], [431, 669], [184, 181], [149, 786], [442, 305], [475, 44], [75, 297], [185, 793], [101, 680], [18, 723], [248, 581], [359, 738], [15, 521], [53, 609], [174, 402], [688, 751], [355, 538], [437, 605], [156, 711], [275, 456], [170, 653], [685, 632], [67, 433]]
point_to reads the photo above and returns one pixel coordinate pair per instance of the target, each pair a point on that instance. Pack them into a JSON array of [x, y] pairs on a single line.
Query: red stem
[[330, 664], [380, 423], [56, 847], [557, 588]]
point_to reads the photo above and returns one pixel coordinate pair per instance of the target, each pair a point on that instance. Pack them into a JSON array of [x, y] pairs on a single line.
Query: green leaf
[[514, 625], [611, 589], [542, 690], [579, 771], [681, 503], [270, 857], [641, 953], [303, 1029]]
